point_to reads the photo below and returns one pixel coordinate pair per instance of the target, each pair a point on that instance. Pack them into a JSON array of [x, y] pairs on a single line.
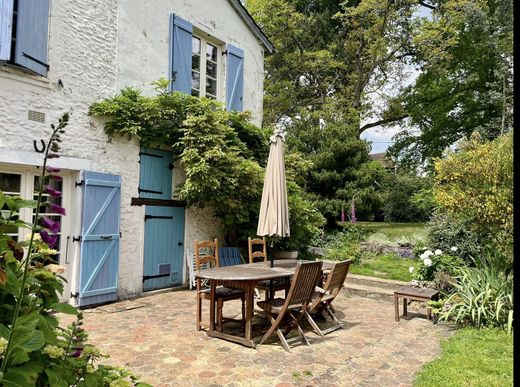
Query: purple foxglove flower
[[76, 353], [48, 238], [52, 170], [56, 177], [51, 191], [50, 224], [56, 209]]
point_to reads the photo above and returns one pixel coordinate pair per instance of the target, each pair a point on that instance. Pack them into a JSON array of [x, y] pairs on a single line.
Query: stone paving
[[155, 337]]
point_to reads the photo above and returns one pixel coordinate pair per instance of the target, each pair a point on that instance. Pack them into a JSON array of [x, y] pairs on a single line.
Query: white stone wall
[[95, 49], [144, 42]]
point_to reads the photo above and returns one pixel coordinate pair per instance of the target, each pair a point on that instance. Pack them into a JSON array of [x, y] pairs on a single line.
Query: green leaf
[[35, 342], [65, 308], [24, 376]]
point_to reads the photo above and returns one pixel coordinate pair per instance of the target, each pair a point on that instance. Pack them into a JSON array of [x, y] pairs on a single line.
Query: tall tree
[[464, 53]]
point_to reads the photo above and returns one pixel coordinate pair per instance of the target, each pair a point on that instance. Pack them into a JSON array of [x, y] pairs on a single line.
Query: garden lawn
[[394, 231], [471, 357], [388, 266]]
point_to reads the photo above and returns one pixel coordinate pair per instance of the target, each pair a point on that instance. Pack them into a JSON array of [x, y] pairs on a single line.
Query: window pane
[[211, 88], [195, 45], [211, 69], [195, 80], [10, 183], [195, 62], [211, 52]]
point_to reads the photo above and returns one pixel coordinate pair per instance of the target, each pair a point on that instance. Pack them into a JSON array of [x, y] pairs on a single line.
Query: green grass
[[389, 266], [394, 231], [473, 358]]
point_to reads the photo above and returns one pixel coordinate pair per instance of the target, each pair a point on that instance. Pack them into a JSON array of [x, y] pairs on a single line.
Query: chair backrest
[[256, 254], [207, 252], [305, 279], [229, 256], [336, 277]]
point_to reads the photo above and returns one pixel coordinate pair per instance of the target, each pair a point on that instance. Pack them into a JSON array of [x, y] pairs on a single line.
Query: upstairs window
[[24, 34], [205, 68]]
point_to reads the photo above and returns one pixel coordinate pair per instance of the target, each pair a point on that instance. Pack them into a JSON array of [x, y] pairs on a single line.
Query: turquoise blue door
[[163, 247], [164, 225], [99, 252]]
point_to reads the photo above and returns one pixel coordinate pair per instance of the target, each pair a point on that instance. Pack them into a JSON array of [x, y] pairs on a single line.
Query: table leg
[[405, 306], [396, 306], [249, 311], [212, 306]]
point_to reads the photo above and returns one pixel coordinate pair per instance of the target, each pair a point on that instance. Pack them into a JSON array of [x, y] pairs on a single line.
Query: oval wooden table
[[245, 277]]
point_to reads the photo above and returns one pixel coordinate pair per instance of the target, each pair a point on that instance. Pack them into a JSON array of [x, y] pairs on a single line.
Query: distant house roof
[[250, 22], [383, 159]]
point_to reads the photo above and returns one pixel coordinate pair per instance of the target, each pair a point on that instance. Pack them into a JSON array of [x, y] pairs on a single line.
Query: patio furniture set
[[310, 287]]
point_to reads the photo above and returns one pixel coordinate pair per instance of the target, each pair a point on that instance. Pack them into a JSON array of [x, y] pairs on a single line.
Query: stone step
[[374, 282], [368, 291]]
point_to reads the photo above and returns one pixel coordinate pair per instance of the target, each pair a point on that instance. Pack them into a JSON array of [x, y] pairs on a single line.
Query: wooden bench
[[415, 294]]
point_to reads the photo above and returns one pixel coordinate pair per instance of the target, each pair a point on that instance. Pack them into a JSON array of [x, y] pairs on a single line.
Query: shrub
[[408, 199], [445, 230], [432, 263], [483, 295]]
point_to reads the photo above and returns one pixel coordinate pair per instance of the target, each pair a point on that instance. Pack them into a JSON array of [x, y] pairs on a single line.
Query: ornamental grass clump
[[34, 349]]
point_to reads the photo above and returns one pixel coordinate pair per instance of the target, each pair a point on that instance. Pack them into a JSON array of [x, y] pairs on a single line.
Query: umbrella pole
[[271, 259]]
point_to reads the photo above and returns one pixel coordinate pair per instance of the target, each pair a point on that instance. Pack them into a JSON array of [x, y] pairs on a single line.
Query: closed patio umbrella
[[273, 219]]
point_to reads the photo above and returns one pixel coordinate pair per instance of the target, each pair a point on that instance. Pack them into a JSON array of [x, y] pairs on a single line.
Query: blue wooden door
[[163, 247], [99, 265], [155, 177]]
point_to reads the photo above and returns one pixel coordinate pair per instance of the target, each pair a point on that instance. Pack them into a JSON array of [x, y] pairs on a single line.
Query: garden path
[[155, 337]]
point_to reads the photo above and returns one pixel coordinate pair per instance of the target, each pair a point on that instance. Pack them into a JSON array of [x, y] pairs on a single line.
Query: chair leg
[[300, 330], [199, 311], [284, 342], [274, 326], [314, 325], [220, 306]]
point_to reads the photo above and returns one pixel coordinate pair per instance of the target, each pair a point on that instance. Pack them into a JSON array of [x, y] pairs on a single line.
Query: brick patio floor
[[155, 337]]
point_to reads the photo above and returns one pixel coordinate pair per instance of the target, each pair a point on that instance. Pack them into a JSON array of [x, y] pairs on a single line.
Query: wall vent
[[164, 268], [36, 116]]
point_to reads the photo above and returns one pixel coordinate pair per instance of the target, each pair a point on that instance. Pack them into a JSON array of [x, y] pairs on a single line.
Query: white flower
[[454, 248], [411, 269], [438, 252], [427, 262], [426, 254]]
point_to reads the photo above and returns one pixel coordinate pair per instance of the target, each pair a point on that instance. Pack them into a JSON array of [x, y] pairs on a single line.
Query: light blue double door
[[164, 224]]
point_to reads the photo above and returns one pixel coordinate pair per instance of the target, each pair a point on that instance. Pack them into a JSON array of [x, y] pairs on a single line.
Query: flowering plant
[[432, 262]]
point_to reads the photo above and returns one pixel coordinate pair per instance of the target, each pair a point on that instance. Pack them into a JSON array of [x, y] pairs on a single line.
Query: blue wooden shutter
[[32, 34], [235, 78], [6, 25], [99, 238], [181, 32], [155, 174]]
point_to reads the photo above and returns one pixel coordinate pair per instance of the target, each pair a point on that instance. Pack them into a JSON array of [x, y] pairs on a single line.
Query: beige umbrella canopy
[[273, 219]]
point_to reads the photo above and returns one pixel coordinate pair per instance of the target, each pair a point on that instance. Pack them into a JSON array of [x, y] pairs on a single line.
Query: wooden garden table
[[245, 277]]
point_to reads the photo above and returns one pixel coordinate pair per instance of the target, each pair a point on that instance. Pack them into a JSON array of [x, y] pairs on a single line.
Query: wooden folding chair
[[305, 278], [260, 254], [222, 294], [323, 297]]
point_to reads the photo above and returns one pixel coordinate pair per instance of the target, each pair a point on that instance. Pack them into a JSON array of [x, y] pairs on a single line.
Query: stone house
[[124, 232]]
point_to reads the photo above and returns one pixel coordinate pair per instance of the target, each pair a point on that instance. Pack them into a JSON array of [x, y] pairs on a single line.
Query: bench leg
[[405, 306], [429, 313], [396, 306]]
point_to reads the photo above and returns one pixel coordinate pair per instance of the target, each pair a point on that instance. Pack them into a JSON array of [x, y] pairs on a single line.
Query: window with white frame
[[205, 68], [26, 185], [24, 34]]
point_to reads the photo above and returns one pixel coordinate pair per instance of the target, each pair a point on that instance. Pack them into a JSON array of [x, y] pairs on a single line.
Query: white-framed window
[[24, 34], [26, 183], [206, 68]]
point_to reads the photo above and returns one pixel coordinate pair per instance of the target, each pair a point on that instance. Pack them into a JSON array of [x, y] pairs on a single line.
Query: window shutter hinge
[[174, 75], [74, 295], [79, 183], [76, 239]]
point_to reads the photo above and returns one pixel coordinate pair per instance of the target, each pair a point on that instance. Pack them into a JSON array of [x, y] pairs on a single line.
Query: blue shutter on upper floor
[[181, 32], [6, 25], [235, 78], [99, 265], [32, 35]]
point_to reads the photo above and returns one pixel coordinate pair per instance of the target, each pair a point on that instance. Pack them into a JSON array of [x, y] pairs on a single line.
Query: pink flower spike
[[52, 170], [48, 238], [50, 224], [54, 208], [51, 191]]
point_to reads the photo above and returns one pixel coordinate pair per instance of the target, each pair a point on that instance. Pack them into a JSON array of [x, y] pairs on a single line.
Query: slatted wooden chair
[[207, 254], [323, 297], [257, 248], [305, 278]]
